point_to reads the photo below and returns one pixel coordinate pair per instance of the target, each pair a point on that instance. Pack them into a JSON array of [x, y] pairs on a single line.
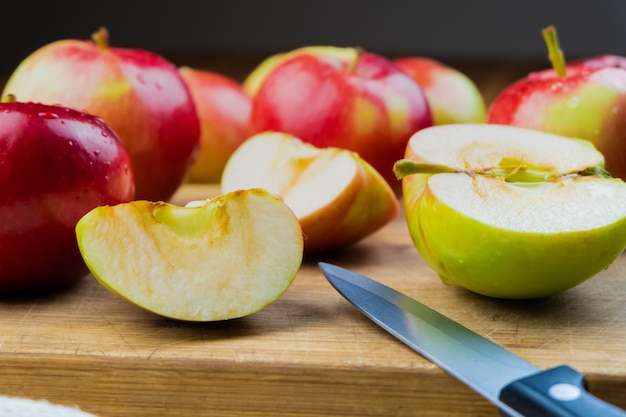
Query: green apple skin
[[588, 103], [503, 263], [452, 95]]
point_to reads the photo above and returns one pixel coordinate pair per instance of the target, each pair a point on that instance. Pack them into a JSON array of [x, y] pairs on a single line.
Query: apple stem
[[405, 167], [555, 54], [101, 38]]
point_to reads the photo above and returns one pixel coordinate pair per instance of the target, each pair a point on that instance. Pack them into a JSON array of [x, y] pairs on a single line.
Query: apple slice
[[338, 198], [510, 212], [223, 258]]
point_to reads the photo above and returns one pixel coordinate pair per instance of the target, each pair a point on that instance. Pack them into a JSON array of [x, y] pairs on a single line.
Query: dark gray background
[[446, 29]]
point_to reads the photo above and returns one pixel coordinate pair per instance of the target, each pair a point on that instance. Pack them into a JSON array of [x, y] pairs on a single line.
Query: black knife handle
[[556, 392]]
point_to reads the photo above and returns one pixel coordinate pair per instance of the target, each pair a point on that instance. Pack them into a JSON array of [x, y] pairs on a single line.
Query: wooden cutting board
[[308, 354]]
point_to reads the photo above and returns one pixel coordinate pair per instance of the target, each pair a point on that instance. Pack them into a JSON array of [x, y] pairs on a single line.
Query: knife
[[517, 387]]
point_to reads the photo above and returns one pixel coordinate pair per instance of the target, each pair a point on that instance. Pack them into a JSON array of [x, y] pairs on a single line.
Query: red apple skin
[[224, 111], [341, 97], [139, 94], [452, 95], [56, 164], [588, 103]]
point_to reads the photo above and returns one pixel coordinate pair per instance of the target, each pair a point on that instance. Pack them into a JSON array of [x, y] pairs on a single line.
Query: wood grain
[[308, 354]]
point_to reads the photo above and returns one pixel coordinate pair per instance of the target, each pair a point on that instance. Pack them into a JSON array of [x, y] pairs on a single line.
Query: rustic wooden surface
[[308, 354]]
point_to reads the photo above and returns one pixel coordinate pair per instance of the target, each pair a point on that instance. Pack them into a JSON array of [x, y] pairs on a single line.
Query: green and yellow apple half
[[337, 196], [511, 212], [217, 259]]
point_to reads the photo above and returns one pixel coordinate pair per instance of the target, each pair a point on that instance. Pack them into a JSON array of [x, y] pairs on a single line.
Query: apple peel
[[219, 259]]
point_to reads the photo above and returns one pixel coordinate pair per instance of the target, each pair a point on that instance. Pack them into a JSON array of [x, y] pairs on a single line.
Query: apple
[[224, 111], [56, 164], [339, 97], [218, 259], [584, 100], [511, 212], [452, 95], [139, 94], [338, 198]]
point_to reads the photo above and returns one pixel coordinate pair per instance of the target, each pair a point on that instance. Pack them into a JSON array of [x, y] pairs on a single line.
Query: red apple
[[139, 94], [452, 95], [224, 111], [340, 97], [56, 164], [586, 100]]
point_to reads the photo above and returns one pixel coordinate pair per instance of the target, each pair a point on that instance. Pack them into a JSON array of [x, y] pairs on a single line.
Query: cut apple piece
[[338, 198], [510, 212], [224, 258]]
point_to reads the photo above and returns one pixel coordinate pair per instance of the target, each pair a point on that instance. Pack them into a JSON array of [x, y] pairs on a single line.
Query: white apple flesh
[[510, 212], [223, 258]]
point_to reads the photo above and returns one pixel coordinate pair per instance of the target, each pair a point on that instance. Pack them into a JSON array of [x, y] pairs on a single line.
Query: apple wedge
[[223, 258], [510, 212], [338, 198]]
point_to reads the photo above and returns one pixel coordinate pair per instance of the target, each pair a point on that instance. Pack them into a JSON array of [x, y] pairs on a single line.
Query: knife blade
[[516, 387]]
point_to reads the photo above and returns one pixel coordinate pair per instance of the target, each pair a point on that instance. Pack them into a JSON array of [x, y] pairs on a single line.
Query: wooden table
[[308, 354]]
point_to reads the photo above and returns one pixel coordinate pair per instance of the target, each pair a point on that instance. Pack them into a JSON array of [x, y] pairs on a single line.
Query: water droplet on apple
[[556, 86], [104, 133], [96, 152], [48, 115]]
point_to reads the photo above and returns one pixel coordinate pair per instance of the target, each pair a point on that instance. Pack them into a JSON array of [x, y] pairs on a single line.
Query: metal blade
[[474, 360]]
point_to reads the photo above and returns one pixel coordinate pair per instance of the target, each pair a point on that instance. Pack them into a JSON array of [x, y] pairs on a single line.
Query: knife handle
[[556, 392]]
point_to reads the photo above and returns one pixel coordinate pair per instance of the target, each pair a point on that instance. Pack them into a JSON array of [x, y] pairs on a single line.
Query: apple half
[[510, 212], [221, 258], [337, 196]]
